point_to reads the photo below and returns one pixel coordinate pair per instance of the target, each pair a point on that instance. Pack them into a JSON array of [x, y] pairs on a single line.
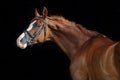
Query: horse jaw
[[19, 43]]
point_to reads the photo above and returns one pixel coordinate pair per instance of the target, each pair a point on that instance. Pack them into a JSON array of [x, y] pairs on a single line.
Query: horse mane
[[64, 21]]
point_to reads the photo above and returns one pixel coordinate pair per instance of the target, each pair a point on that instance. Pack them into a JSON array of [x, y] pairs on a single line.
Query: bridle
[[30, 38]]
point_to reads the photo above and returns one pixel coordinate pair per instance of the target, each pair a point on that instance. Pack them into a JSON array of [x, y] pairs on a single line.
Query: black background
[[47, 61]]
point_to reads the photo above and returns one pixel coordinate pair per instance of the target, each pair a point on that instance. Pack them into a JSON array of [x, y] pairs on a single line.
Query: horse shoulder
[[82, 65]]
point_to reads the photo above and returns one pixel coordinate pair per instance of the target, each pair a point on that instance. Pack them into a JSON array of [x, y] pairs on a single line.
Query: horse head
[[37, 31]]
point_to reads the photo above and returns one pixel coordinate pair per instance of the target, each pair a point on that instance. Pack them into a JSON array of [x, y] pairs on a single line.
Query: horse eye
[[36, 25]]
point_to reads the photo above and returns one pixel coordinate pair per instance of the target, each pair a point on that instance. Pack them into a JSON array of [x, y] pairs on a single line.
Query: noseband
[[30, 38]]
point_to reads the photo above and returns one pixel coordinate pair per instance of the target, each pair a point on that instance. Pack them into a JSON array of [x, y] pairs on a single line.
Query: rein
[[30, 38]]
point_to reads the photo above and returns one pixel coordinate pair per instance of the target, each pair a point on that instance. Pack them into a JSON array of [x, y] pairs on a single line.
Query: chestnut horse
[[93, 56]]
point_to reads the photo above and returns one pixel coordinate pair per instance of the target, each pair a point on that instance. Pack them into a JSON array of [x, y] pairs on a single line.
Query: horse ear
[[45, 12], [36, 13]]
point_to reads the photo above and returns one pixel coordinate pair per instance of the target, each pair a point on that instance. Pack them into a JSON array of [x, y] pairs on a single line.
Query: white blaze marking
[[21, 36], [19, 44], [31, 26]]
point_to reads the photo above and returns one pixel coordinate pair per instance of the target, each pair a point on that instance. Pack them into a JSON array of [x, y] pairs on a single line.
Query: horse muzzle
[[21, 41]]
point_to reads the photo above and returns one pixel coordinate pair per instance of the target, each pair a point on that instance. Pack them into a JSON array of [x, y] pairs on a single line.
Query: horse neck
[[69, 36]]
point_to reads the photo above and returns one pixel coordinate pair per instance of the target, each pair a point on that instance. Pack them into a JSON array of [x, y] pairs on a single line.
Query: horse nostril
[[23, 41]]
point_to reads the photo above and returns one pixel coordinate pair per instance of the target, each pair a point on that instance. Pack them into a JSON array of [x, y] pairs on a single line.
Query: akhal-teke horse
[[93, 56]]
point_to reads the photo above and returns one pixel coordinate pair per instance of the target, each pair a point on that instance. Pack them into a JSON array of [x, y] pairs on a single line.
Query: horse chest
[[78, 69]]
